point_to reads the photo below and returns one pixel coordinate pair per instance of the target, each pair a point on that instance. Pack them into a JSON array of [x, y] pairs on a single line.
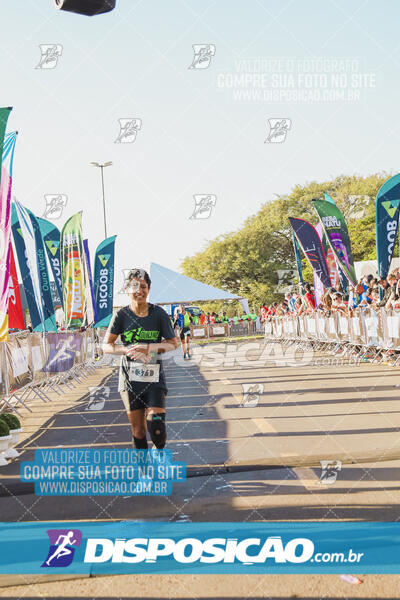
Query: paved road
[[245, 463]]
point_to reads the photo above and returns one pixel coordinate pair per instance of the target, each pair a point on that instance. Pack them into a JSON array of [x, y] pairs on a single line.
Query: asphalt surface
[[250, 458]]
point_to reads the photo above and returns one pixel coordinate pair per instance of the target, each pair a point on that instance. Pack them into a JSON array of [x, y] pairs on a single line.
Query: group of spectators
[[211, 318], [365, 294]]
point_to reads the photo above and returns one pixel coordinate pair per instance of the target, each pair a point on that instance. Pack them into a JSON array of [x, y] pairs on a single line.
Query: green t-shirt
[[140, 330]]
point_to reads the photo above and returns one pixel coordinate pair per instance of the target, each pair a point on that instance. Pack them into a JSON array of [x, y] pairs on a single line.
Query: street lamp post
[[102, 166]]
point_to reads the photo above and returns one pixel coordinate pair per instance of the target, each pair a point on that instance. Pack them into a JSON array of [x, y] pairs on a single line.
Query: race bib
[[145, 373]]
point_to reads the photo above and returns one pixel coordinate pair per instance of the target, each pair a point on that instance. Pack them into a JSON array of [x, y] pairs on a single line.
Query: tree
[[246, 262]]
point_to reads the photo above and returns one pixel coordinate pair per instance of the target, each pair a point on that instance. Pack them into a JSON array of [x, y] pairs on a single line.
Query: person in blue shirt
[[182, 322]]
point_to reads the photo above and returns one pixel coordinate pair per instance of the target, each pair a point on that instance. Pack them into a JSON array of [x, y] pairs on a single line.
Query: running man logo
[[251, 394], [330, 470], [203, 205], [61, 551], [203, 54], [278, 129], [128, 129], [104, 258], [55, 204], [391, 206], [97, 397], [53, 246], [133, 335], [50, 53]]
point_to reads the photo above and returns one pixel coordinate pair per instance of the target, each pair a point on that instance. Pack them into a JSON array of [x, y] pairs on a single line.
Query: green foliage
[[246, 262], [12, 421], [4, 429]]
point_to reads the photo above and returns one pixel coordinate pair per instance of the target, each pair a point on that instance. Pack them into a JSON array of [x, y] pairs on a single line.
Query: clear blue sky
[[197, 136]]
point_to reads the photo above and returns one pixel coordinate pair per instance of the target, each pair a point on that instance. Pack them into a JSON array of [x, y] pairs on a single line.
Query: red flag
[[15, 314]]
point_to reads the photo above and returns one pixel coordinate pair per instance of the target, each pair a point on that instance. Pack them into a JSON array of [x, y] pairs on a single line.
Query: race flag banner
[[334, 225], [128, 547], [72, 272], [48, 308], [27, 280], [90, 298], [318, 285], [15, 313], [8, 146], [330, 258], [104, 280], [310, 243], [297, 256], [28, 234], [387, 208], [51, 238]]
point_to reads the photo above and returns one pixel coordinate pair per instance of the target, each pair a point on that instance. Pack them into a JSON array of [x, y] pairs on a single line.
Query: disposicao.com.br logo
[[190, 550]]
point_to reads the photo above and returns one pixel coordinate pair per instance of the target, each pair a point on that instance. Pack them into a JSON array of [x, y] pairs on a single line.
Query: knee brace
[[157, 429], [140, 443]]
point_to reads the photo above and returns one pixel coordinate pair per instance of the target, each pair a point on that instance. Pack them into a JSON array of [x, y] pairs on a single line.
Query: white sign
[[19, 361], [37, 359], [198, 332], [343, 325], [393, 326], [311, 325], [218, 330], [356, 325], [372, 326], [331, 325]]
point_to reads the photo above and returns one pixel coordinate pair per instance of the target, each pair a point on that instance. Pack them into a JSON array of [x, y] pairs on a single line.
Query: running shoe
[[188, 355]]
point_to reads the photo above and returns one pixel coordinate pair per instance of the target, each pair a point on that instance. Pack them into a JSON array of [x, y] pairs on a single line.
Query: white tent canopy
[[170, 287]]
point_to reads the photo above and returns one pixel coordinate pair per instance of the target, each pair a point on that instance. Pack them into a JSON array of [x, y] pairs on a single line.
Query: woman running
[[145, 331]]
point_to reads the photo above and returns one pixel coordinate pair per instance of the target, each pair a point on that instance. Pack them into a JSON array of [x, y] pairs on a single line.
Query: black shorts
[[185, 333], [150, 398]]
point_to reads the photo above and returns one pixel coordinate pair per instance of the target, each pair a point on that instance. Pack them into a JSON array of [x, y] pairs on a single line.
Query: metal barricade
[[278, 328], [198, 332], [217, 330], [268, 330], [239, 329], [343, 329], [332, 328], [357, 330], [392, 328]]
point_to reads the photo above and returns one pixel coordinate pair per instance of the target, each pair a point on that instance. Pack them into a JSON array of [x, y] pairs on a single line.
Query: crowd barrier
[[369, 329], [33, 363], [215, 330]]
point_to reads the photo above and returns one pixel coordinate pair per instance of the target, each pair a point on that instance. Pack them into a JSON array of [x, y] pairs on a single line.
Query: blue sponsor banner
[[387, 212], [104, 281], [51, 238], [199, 548], [103, 472], [90, 277], [44, 280], [24, 269]]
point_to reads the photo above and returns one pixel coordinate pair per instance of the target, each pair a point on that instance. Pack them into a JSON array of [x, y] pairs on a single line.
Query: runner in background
[[183, 321], [146, 332]]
